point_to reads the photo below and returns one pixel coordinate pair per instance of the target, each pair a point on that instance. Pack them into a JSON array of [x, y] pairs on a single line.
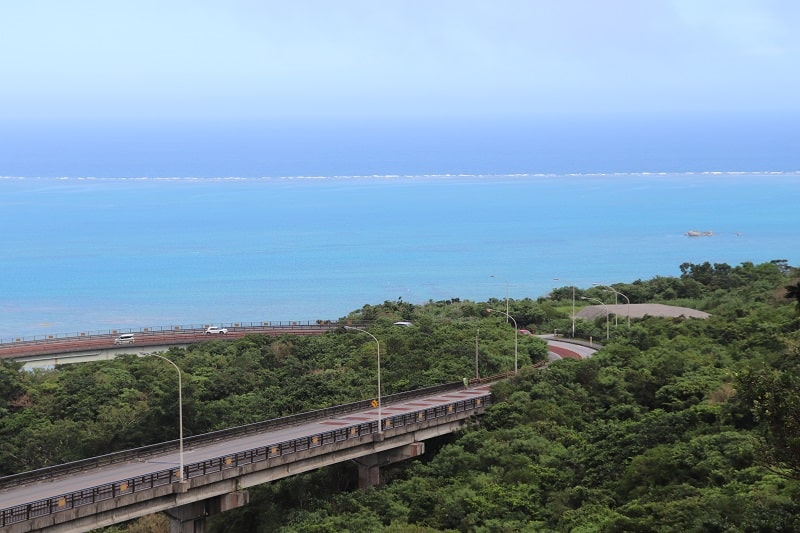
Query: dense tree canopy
[[673, 425]]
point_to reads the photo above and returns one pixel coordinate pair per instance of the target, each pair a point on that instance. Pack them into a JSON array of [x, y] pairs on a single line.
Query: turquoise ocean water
[[95, 254], [283, 224]]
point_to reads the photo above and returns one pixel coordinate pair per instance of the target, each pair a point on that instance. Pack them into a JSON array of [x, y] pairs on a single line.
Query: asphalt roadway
[[558, 349], [566, 350], [147, 338]]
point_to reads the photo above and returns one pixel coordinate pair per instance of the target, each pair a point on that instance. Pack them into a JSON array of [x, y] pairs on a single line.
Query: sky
[[175, 60]]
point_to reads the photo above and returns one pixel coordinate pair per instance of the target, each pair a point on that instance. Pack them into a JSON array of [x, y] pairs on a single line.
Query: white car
[[214, 330], [125, 338]]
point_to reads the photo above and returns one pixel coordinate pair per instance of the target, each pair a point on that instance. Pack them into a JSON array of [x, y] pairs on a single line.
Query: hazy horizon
[[268, 61]]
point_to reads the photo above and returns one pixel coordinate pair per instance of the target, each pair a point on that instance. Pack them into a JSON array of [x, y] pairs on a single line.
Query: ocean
[[153, 238]]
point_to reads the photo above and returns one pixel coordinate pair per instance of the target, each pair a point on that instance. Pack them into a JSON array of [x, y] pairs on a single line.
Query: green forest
[[674, 424]]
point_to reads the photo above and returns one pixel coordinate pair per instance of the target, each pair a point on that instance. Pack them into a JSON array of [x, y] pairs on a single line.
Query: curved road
[[559, 349]]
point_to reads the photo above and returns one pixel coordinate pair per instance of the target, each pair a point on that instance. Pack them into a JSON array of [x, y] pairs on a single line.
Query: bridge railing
[[173, 329], [90, 495]]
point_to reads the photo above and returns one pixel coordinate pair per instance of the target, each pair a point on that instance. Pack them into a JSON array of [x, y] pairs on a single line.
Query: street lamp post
[[573, 307], [516, 336], [506, 282], [180, 411], [604, 306], [378, 344], [616, 292], [477, 374]]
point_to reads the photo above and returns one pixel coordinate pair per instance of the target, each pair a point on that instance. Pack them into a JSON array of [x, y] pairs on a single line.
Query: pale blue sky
[[178, 59]]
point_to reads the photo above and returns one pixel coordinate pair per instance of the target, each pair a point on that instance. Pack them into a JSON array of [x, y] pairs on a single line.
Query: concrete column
[[191, 518], [369, 466], [369, 471]]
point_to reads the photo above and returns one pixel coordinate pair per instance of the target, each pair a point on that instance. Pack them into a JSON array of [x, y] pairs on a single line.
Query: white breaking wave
[[406, 176]]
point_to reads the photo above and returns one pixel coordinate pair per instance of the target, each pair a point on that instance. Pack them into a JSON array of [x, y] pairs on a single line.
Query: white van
[[125, 338]]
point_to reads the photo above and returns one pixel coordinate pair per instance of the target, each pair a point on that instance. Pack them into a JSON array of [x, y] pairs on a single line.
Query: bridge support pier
[[191, 518], [369, 466]]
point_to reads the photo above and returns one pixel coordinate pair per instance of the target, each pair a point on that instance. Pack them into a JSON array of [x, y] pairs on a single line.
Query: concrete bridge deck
[[218, 470]]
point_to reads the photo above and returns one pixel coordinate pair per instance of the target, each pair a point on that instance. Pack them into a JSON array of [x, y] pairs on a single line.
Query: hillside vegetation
[[674, 425]]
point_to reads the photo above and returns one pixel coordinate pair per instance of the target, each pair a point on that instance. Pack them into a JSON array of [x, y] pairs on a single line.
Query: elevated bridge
[[211, 473], [217, 468], [51, 350]]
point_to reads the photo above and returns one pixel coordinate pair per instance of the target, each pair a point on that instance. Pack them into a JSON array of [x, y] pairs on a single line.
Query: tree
[[793, 291], [679, 425], [771, 396]]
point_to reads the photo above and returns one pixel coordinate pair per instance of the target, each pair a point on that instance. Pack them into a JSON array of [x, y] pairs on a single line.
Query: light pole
[[506, 282], [573, 307], [477, 374], [516, 336], [616, 292], [604, 306], [378, 344], [180, 410]]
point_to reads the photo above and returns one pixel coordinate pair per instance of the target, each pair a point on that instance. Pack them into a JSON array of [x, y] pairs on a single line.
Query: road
[[558, 349], [148, 338], [566, 350], [94, 477]]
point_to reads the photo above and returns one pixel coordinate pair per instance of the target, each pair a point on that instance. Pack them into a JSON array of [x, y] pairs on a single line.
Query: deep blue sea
[[125, 232]]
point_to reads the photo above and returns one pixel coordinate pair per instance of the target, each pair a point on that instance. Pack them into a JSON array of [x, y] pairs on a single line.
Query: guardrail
[[175, 329], [572, 340], [90, 495]]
